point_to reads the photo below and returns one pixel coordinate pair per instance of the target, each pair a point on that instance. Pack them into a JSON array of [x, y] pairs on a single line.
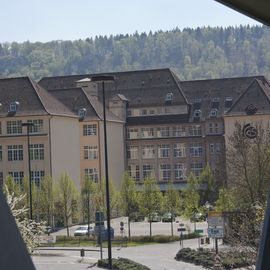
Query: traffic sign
[[181, 229], [199, 231], [215, 232], [215, 219]]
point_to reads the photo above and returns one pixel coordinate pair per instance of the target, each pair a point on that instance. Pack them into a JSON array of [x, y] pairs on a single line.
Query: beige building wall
[[65, 147], [229, 122], [40, 137], [116, 152], [93, 140]]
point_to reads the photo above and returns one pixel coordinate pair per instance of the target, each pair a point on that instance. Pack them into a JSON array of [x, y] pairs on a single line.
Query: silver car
[[83, 231]]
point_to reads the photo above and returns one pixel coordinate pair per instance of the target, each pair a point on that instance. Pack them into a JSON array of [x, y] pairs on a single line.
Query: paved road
[[157, 257]]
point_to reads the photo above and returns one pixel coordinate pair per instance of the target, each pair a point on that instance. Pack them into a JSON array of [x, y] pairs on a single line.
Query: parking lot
[[142, 228]]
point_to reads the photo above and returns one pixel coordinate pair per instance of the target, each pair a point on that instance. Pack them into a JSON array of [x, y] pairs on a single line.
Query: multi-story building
[[157, 125], [171, 127], [53, 140]]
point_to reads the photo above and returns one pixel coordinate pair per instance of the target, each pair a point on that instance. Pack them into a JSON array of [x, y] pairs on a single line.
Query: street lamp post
[[103, 79], [28, 125]]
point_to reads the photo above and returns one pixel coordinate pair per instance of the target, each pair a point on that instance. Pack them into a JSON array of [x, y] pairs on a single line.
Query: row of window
[[160, 132], [15, 126], [15, 152], [175, 131], [164, 150], [36, 177], [165, 171]]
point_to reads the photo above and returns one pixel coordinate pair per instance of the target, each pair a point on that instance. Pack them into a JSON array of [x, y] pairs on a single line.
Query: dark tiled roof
[[141, 88], [77, 98], [257, 94], [32, 98], [206, 90]]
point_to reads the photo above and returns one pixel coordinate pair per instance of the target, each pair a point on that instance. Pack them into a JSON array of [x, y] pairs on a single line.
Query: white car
[[83, 231]]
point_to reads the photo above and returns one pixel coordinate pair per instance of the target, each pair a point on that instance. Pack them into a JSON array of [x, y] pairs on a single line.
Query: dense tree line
[[194, 53]]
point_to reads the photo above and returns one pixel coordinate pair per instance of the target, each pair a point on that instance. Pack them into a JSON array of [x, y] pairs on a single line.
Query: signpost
[[181, 229], [215, 226]]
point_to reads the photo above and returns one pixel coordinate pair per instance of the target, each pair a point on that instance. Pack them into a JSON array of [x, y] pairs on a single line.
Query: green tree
[[88, 195], [129, 197], [67, 195], [172, 202], [207, 185], [248, 163], [46, 198], [225, 200], [150, 200], [191, 196]]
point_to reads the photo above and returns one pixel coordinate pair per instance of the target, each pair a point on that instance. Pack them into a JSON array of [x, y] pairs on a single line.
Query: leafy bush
[[206, 258], [122, 264]]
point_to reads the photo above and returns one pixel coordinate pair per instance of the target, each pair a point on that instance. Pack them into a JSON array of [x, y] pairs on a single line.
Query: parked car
[[197, 217], [168, 217], [83, 231], [154, 217]]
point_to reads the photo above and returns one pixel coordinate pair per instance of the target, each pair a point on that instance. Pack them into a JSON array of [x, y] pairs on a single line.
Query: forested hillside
[[192, 53]]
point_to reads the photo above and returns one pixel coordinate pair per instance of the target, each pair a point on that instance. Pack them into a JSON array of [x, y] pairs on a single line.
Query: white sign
[[215, 219], [215, 232]]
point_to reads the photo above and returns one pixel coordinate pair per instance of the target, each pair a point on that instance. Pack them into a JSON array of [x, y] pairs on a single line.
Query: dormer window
[[13, 107], [197, 113], [169, 97], [228, 102], [82, 114], [215, 103], [213, 113]]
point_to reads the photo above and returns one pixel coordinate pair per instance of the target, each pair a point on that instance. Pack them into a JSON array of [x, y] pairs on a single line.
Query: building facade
[[157, 125]]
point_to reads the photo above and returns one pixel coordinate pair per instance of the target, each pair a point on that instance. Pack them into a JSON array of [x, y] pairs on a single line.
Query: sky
[[47, 20]]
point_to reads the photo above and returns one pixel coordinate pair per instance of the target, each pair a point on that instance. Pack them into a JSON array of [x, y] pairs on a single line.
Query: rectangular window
[[134, 171], [215, 148], [1, 153], [36, 177], [147, 132], [148, 151], [195, 130], [163, 132], [36, 151], [92, 173], [196, 168], [37, 127], [213, 128], [179, 150], [179, 171], [0, 127], [90, 152], [17, 177], [15, 152], [165, 172], [133, 152], [14, 127], [132, 133], [195, 150], [90, 130], [179, 131], [164, 151], [148, 171]]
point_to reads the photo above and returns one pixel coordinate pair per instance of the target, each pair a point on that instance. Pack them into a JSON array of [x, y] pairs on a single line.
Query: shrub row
[[206, 258], [122, 264]]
